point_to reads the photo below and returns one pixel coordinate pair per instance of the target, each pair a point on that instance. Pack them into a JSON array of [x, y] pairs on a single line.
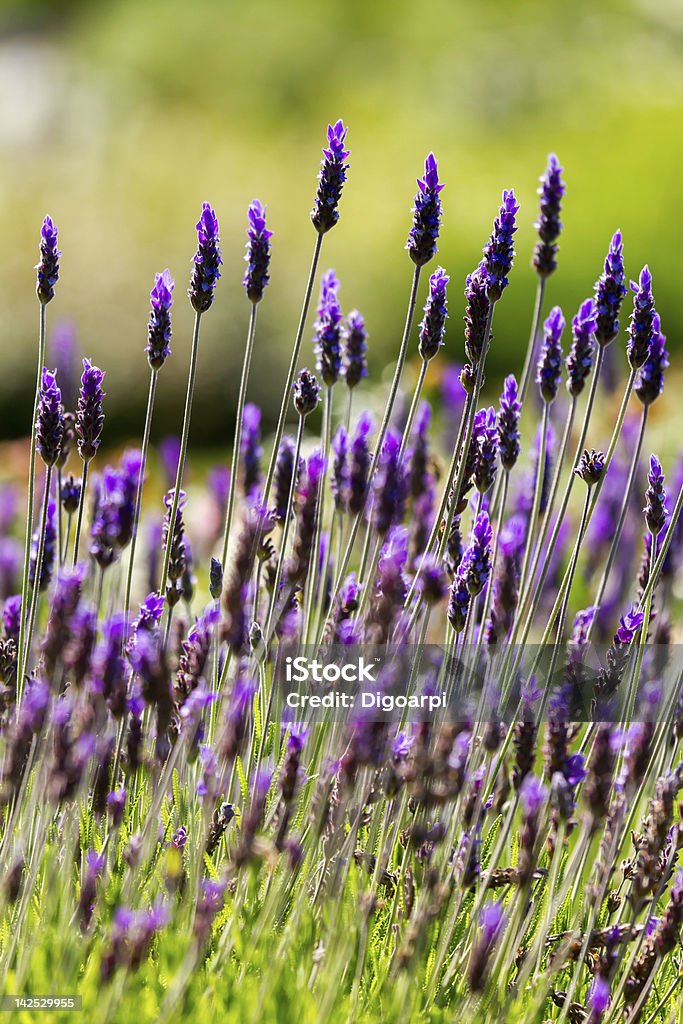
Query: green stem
[[285, 534], [38, 572], [141, 484], [407, 430], [79, 518], [531, 347]]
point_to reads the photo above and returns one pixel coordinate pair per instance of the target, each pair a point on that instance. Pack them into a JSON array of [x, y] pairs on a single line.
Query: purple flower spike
[[499, 250], [251, 450], [48, 267], [340, 469], [629, 625], [424, 234], [507, 421], [486, 453], [641, 325], [89, 416], [598, 999], [476, 562], [610, 290], [49, 551], [580, 358], [331, 178], [207, 261], [11, 616], [390, 487], [432, 328], [459, 599], [532, 796], [476, 313], [355, 349], [491, 923], [359, 464], [549, 370], [591, 466], [656, 512], [284, 468], [549, 224], [650, 380], [158, 347], [306, 393], [50, 419], [328, 331], [258, 252]]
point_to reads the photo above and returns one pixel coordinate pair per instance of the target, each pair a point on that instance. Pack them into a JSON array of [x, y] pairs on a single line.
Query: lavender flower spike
[[328, 331], [258, 252], [432, 328], [390, 487], [50, 420], [48, 268], [610, 290], [355, 349], [158, 347], [656, 512], [476, 313], [89, 416], [424, 234], [306, 393], [499, 250], [207, 261], [476, 561], [641, 324], [507, 421], [459, 600], [580, 358], [331, 178], [549, 224], [549, 370], [650, 380], [591, 466]]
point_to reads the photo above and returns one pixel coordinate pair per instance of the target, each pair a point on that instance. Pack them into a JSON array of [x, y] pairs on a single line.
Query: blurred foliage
[[120, 118]]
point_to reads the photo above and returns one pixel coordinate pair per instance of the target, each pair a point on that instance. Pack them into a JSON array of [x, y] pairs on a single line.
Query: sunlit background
[[120, 117]]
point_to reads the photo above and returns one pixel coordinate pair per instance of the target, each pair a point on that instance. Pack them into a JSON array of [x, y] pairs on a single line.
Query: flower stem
[[407, 430], [138, 496], [320, 511], [81, 506], [531, 347], [538, 492], [37, 573], [285, 534]]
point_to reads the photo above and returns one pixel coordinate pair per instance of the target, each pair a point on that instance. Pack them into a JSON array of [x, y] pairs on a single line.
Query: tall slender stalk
[[40, 552], [417, 394], [79, 517], [285, 533], [141, 483], [314, 576], [529, 359]]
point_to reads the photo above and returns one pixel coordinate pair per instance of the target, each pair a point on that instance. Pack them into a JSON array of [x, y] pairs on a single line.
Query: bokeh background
[[120, 117]]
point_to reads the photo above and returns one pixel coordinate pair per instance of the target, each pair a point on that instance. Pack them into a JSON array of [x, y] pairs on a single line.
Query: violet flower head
[[89, 415], [70, 495], [11, 616], [258, 252], [549, 369], [390, 486], [431, 579], [215, 578], [282, 480], [251, 450], [433, 326], [339, 482], [306, 393], [477, 307], [580, 358], [507, 421], [610, 290], [355, 339], [656, 512], [641, 326], [424, 234], [598, 999], [486, 453], [50, 419], [499, 250], [331, 178], [207, 261], [158, 346], [650, 379], [476, 562], [328, 331], [49, 550], [591, 466], [490, 926], [359, 464], [629, 625], [549, 224], [48, 267], [174, 534]]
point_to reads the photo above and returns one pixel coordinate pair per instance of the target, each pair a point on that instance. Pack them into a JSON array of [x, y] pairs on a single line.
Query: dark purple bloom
[[251, 450], [359, 464], [116, 805], [169, 452], [580, 358], [71, 494], [417, 455], [549, 224], [355, 339], [507, 421], [492, 921], [598, 999], [340, 469], [424, 233], [591, 466], [655, 510], [11, 613], [641, 326], [49, 550], [109, 669], [194, 656], [499, 250], [258, 252], [306, 513], [306, 393], [208, 905], [284, 468], [174, 534], [89, 416], [476, 562], [50, 419], [390, 487], [629, 625], [549, 370], [650, 379], [328, 331], [433, 326], [486, 453], [610, 290], [215, 579], [331, 178], [506, 582], [48, 267], [476, 313], [432, 582], [207, 261], [158, 347]]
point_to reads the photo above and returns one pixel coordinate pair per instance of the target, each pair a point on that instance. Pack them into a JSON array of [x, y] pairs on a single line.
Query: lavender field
[[491, 826]]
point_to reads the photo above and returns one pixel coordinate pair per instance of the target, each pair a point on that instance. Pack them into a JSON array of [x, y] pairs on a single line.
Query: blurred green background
[[120, 117]]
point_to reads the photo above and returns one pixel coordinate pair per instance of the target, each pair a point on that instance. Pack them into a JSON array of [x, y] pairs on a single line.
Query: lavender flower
[[499, 251], [306, 393], [432, 328], [258, 252], [490, 927], [591, 466], [549, 370], [641, 327], [11, 612], [251, 450], [50, 419], [284, 468], [328, 331], [549, 224], [207, 261], [486, 454], [650, 379], [390, 487], [216, 579], [49, 550], [306, 512], [656, 512], [507, 422], [89, 417], [71, 494], [359, 464], [580, 358], [355, 349], [476, 313], [424, 234], [476, 562], [431, 582], [175, 536], [339, 482], [610, 290], [331, 178], [158, 346], [48, 267]]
